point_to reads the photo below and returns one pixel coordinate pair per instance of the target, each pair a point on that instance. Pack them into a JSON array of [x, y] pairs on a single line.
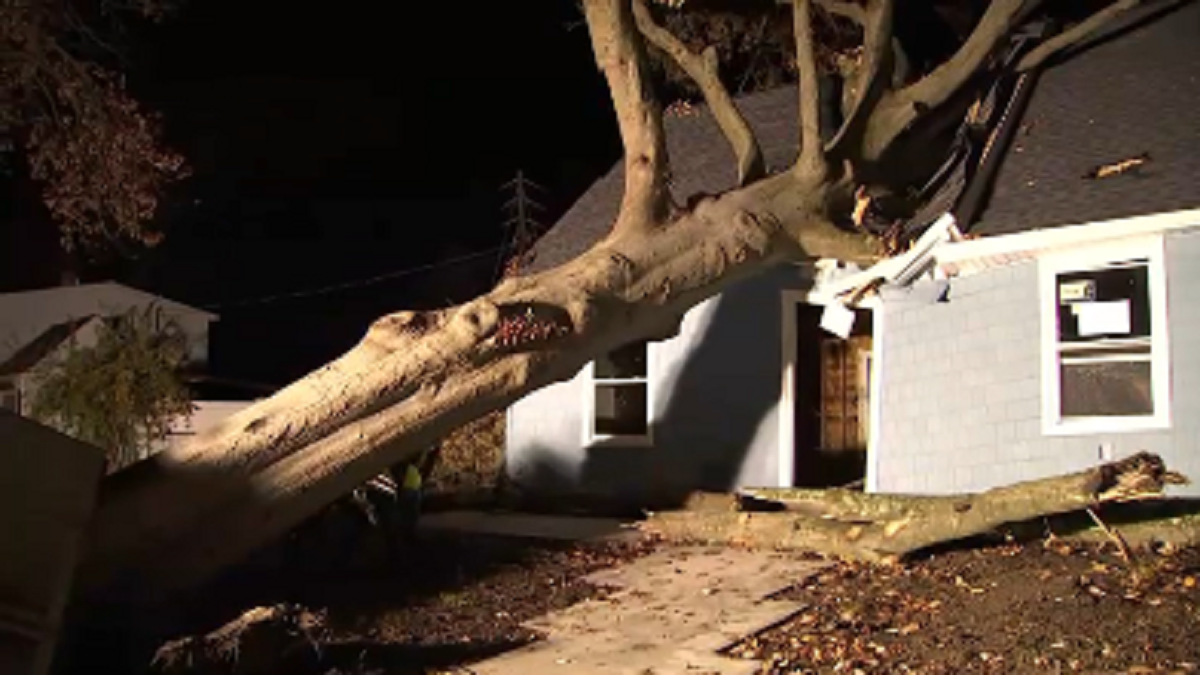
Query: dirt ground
[[1004, 609], [455, 600], [452, 600]]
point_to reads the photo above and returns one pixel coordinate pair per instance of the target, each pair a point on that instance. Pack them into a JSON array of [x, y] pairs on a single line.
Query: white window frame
[[1098, 257], [593, 439]]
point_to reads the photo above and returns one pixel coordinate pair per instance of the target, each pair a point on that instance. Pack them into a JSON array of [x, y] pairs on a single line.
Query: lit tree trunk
[[179, 517], [888, 527]]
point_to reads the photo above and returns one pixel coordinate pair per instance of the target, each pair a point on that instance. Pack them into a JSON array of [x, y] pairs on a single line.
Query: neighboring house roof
[[28, 357], [25, 315], [109, 291], [1137, 92]]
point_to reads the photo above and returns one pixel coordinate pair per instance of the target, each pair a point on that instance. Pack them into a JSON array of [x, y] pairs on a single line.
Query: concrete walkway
[[673, 610]]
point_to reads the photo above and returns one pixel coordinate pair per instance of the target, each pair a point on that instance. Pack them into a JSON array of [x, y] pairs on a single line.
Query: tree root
[[257, 638]]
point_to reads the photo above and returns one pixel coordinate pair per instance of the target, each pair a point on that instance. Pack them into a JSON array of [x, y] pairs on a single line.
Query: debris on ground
[[1054, 607], [452, 601]]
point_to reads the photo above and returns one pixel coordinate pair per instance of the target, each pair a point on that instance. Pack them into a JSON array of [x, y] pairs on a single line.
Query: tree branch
[[621, 57], [703, 68], [812, 158], [898, 110], [877, 58], [846, 10], [1076, 33]]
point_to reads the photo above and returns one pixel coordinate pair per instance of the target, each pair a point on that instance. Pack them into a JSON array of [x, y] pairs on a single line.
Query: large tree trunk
[[178, 517], [183, 515], [886, 527]]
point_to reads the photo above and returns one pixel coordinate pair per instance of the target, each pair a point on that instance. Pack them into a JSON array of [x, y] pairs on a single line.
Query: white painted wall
[[207, 414], [715, 390]]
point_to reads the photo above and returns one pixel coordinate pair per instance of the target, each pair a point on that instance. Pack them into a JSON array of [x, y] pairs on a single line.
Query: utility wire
[[357, 283]]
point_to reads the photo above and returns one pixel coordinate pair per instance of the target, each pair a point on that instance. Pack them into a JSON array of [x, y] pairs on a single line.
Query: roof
[[1118, 98], [1137, 92], [108, 291], [701, 161], [27, 357]]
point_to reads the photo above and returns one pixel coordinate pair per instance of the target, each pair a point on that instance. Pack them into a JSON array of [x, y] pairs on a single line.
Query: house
[[40, 325], [1047, 320], [19, 372]]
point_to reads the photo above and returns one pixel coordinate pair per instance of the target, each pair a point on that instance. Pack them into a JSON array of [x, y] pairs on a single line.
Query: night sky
[[334, 143]]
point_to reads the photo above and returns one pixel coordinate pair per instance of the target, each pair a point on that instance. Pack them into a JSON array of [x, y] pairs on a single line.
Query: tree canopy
[[69, 121], [123, 393]]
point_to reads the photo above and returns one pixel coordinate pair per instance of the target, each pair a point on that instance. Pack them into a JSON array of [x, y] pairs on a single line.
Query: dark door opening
[[832, 401]]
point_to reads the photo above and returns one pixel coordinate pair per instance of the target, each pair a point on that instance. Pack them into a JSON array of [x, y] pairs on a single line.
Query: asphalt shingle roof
[[1137, 92], [701, 161]]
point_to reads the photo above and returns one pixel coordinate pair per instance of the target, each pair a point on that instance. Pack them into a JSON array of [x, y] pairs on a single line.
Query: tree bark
[[184, 514], [181, 516], [888, 527]]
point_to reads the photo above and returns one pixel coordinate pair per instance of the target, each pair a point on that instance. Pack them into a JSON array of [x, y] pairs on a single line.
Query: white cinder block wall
[[961, 401]]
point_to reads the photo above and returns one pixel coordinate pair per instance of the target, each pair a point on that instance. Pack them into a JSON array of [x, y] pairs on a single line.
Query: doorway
[[831, 399]]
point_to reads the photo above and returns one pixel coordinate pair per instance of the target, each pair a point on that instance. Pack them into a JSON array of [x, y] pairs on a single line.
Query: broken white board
[[837, 319]]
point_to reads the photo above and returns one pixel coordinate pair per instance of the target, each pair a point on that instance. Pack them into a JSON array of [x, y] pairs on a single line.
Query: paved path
[[674, 611]]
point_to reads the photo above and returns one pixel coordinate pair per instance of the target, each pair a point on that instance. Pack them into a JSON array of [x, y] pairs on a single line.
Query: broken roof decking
[[1138, 91]]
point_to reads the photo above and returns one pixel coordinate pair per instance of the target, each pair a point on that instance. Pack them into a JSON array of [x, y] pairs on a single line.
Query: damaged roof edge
[[975, 254], [943, 252]]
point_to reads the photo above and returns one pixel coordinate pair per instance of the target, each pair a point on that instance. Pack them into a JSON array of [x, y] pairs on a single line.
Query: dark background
[[331, 144]]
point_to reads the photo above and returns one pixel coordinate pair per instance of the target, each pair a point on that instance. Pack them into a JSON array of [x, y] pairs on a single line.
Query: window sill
[[619, 442], [1084, 427]]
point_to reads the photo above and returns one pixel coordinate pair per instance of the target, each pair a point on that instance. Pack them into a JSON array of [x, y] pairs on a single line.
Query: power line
[[357, 283], [521, 228]]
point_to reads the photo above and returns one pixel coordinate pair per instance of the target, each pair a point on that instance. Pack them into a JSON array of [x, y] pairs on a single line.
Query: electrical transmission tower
[[521, 228]]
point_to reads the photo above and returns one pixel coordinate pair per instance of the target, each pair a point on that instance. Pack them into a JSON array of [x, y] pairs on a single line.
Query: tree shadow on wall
[[724, 394]]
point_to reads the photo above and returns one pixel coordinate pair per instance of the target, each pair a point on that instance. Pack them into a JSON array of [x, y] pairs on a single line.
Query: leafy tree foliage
[[65, 111], [123, 393]]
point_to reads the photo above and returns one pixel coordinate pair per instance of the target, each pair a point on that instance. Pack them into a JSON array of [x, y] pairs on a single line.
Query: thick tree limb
[[184, 514], [873, 75], [812, 159], [180, 516], [885, 527], [704, 69], [899, 109], [1078, 32], [620, 56]]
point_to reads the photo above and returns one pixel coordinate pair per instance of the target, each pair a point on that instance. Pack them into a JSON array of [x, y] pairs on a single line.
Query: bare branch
[[877, 53], [812, 158], [846, 10], [704, 70], [898, 110], [621, 57], [1079, 31]]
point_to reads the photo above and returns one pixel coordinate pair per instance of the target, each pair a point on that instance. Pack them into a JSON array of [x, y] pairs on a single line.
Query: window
[[619, 392], [10, 400], [1106, 363]]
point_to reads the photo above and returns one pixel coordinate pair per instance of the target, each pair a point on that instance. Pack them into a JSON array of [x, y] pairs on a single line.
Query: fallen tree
[[882, 527], [181, 516]]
